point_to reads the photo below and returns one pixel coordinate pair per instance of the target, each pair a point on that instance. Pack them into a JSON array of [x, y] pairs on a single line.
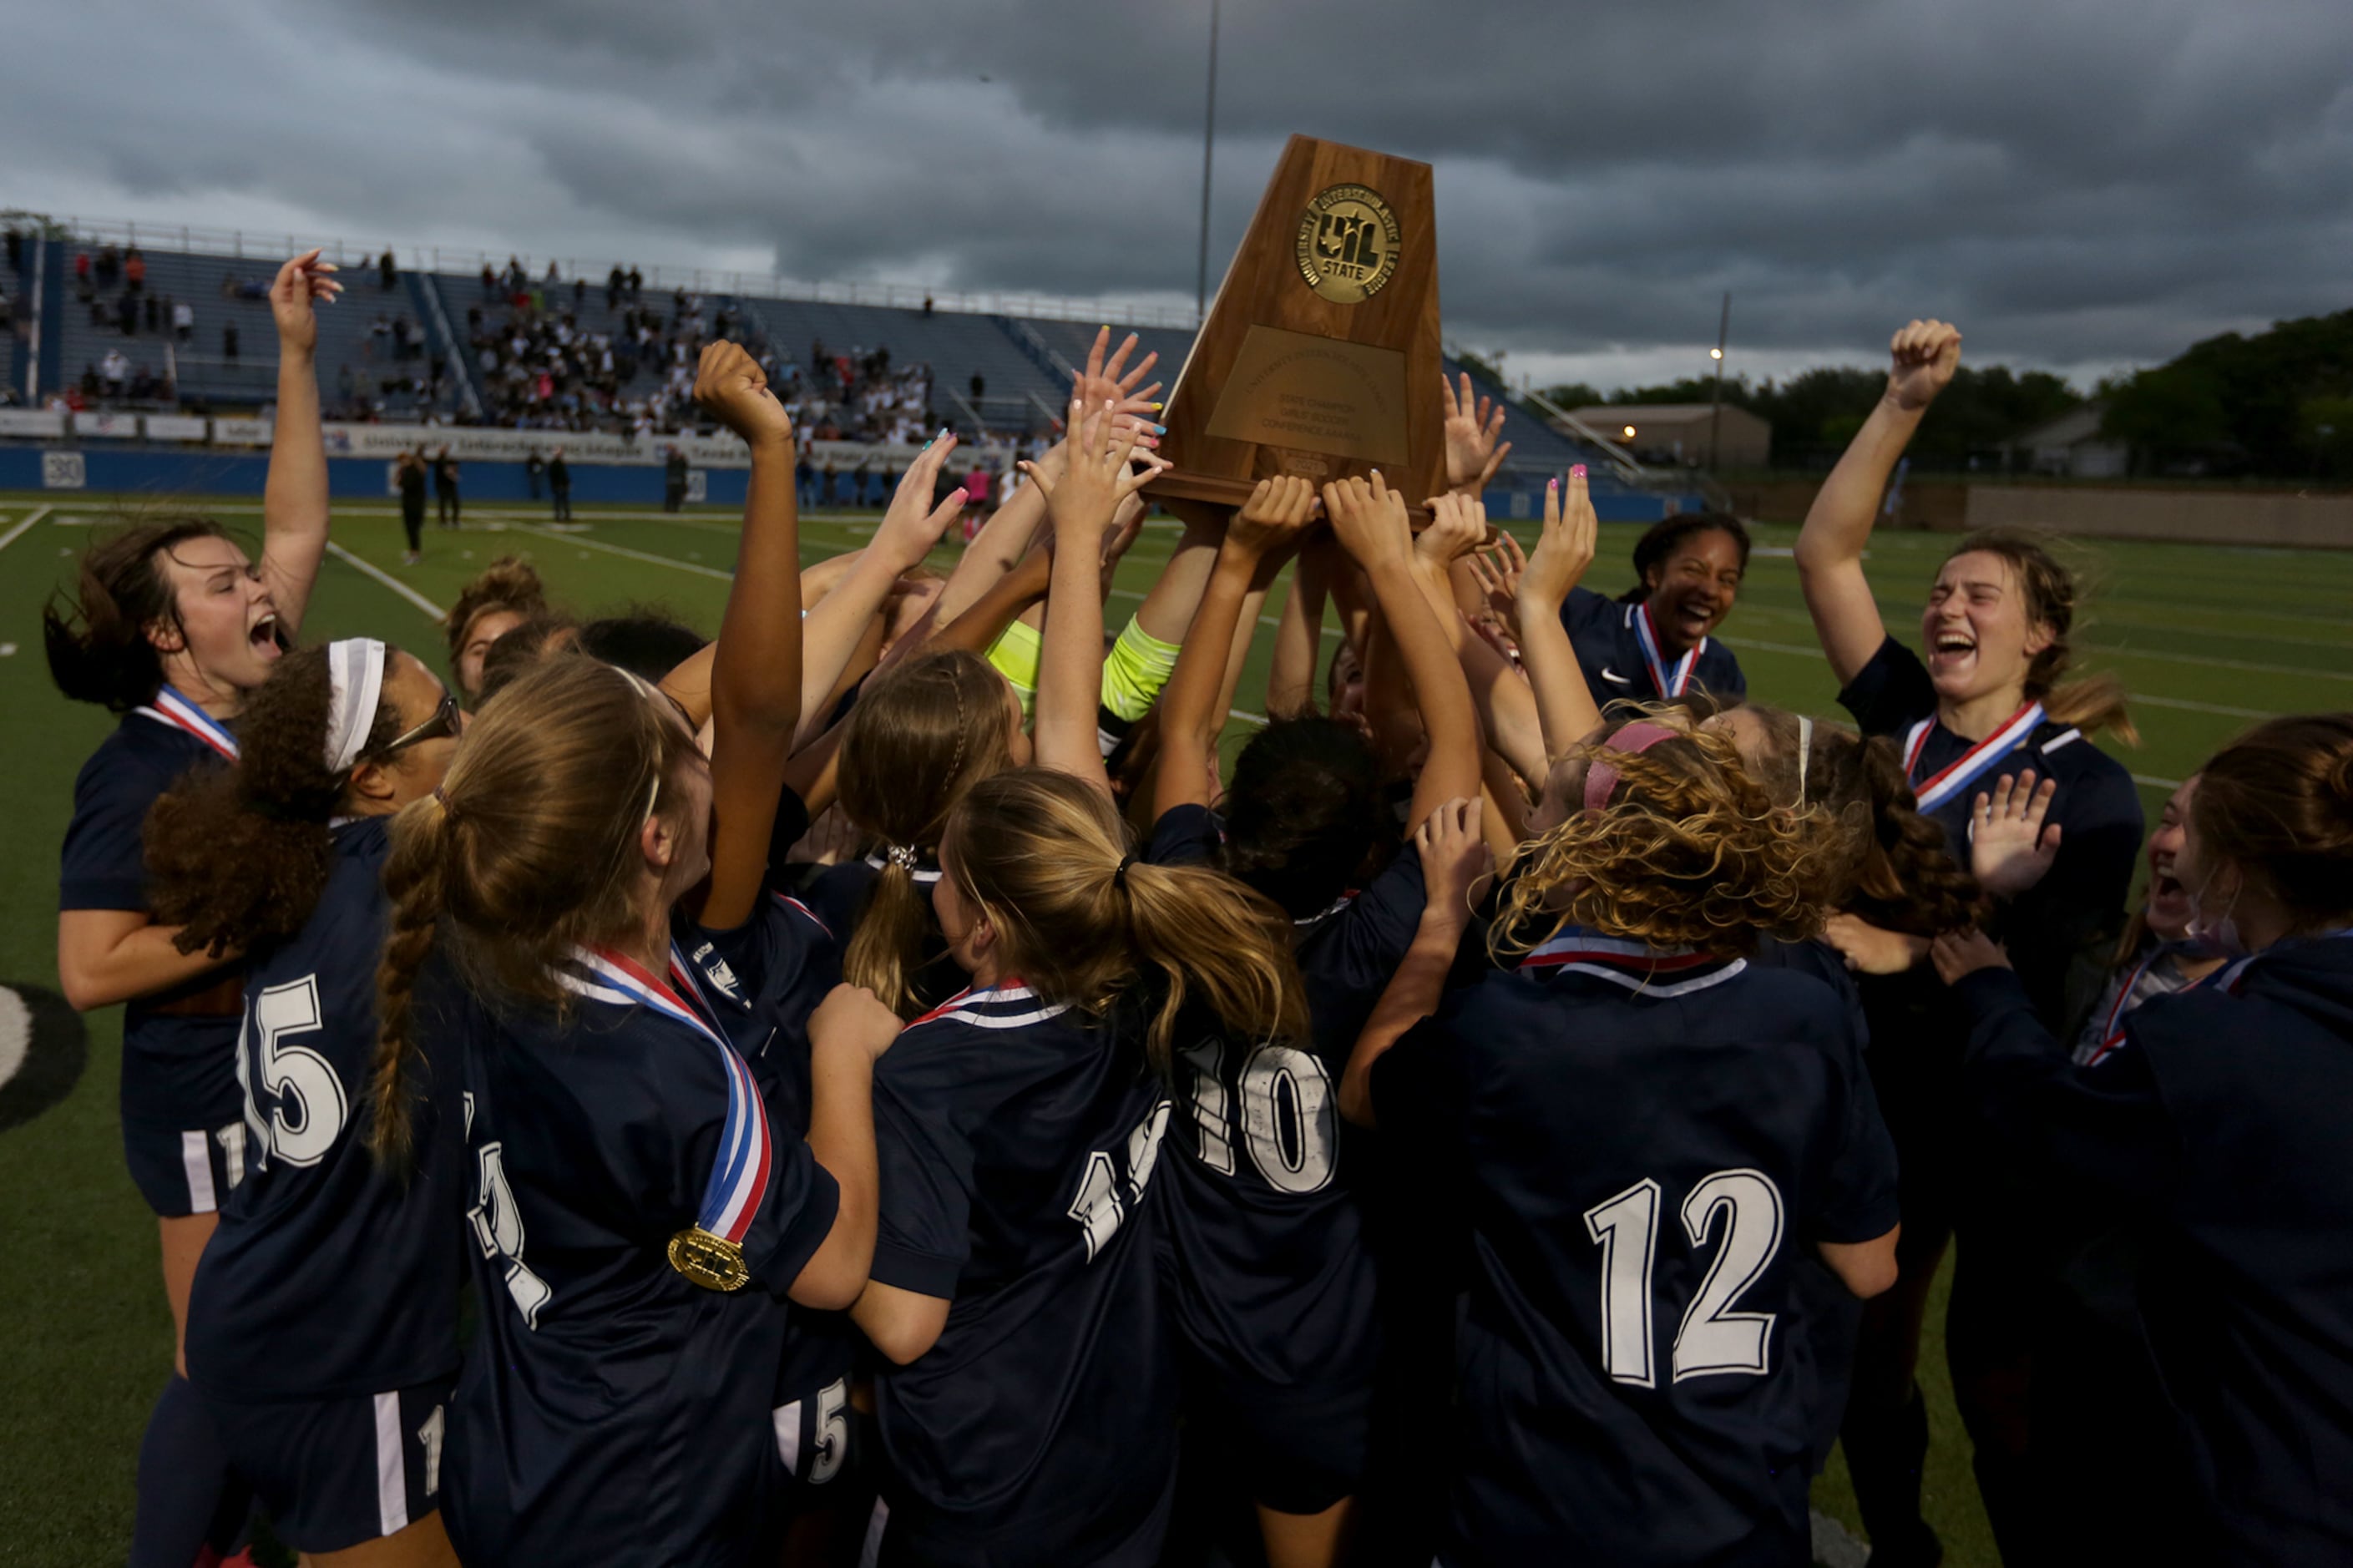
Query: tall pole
[[1715, 415], [1208, 134]]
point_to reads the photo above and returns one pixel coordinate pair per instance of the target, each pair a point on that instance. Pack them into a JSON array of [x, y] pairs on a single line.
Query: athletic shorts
[[181, 1170], [339, 1473]]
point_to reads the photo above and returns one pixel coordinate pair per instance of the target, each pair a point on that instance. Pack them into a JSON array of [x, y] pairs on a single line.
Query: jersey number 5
[[1712, 1337], [296, 1078]]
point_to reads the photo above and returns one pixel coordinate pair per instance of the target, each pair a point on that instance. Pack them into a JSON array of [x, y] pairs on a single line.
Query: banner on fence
[[32, 421], [106, 426], [242, 432], [174, 428]]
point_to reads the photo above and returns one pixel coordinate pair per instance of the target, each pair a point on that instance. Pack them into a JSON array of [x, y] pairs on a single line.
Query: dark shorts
[[1293, 1450], [1059, 1545], [183, 1170], [339, 1473]]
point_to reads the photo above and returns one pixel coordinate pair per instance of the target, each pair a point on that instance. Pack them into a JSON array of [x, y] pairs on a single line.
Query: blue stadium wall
[[162, 473]]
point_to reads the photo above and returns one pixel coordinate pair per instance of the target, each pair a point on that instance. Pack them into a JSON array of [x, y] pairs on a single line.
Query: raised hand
[[300, 284], [913, 525], [1097, 477], [1454, 856], [733, 389], [1498, 570], [1112, 381], [1872, 950], [1564, 549], [2009, 847], [1458, 527], [1926, 354], [1275, 520], [1126, 528], [1960, 952], [1471, 455], [1369, 520]]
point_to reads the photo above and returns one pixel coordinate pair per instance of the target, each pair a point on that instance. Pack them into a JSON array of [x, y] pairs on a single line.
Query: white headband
[[1804, 751], [355, 687]]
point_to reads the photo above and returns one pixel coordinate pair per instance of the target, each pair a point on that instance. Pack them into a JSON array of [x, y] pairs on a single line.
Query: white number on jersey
[[297, 1077], [1099, 1208], [1290, 1116], [498, 1229], [832, 1432], [1712, 1337]]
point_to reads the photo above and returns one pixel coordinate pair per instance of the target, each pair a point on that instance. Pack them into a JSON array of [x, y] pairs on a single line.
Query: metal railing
[[260, 246], [460, 354]]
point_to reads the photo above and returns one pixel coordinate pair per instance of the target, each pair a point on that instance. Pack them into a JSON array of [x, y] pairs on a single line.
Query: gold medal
[[711, 1261]]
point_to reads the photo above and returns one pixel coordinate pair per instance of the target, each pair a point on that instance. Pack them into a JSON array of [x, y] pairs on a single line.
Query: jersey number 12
[[1712, 1337]]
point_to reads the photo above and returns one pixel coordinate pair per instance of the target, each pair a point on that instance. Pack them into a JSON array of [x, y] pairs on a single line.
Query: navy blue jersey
[[1608, 644], [1018, 1139], [1269, 1279], [2077, 906], [2219, 1125], [610, 1406], [329, 1274], [1653, 1143], [178, 1071]]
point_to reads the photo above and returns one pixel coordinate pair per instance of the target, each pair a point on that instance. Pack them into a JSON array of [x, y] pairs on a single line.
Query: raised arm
[[1192, 708], [1082, 506], [1507, 710], [755, 674], [294, 496], [1565, 705], [841, 621], [1838, 525], [1452, 858], [1370, 519], [1299, 634]]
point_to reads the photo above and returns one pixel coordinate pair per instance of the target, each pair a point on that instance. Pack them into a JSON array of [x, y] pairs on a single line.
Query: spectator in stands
[[387, 270], [490, 280], [559, 485], [114, 370], [127, 311], [84, 289], [153, 307], [134, 270], [533, 467], [379, 333], [805, 475], [15, 248], [229, 342], [553, 277], [184, 321], [110, 266], [445, 488], [674, 480], [90, 383], [637, 283]]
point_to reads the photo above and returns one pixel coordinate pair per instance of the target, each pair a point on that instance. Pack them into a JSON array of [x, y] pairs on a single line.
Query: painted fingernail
[[1160, 429], [1158, 406], [1577, 471], [1553, 483]]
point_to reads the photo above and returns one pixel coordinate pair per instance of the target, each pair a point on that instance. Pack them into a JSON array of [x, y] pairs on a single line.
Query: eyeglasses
[[443, 722]]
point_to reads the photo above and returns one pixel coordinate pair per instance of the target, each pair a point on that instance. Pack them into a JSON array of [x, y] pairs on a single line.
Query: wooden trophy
[[1320, 355]]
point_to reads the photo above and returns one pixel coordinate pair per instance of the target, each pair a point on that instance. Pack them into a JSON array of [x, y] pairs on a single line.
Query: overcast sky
[[2084, 184]]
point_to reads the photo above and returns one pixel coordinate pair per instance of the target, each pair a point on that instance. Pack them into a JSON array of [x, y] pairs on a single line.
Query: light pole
[[1715, 415], [1208, 134]]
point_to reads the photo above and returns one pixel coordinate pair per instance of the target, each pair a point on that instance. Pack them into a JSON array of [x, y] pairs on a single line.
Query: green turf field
[[2209, 638]]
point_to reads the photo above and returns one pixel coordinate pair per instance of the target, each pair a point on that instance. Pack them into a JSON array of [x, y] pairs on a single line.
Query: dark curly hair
[[1307, 815], [238, 856], [1659, 541]]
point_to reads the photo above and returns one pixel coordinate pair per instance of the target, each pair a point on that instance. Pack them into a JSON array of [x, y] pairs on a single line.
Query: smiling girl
[[1990, 697], [170, 625]]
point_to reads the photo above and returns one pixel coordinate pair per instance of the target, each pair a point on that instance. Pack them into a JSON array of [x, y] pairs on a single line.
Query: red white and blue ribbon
[[739, 1175], [1971, 764], [2112, 1033], [173, 709], [1654, 972], [1667, 682]]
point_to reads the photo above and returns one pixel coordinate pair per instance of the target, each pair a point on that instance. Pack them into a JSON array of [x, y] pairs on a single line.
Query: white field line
[[586, 543], [370, 569], [30, 518]]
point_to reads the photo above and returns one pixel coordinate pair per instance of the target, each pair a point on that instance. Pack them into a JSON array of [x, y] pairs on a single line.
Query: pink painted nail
[[1553, 483], [1577, 471]]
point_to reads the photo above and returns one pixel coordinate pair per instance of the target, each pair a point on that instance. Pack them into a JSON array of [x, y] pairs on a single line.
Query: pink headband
[[1633, 739]]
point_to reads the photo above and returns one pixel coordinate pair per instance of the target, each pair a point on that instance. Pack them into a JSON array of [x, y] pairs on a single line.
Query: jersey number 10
[[1712, 1337]]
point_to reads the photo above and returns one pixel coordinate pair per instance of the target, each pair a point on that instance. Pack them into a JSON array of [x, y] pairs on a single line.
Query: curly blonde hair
[[1687, 851]]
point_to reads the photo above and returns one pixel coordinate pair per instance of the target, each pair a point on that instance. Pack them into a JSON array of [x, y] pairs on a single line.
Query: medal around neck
[[710, 1261]]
